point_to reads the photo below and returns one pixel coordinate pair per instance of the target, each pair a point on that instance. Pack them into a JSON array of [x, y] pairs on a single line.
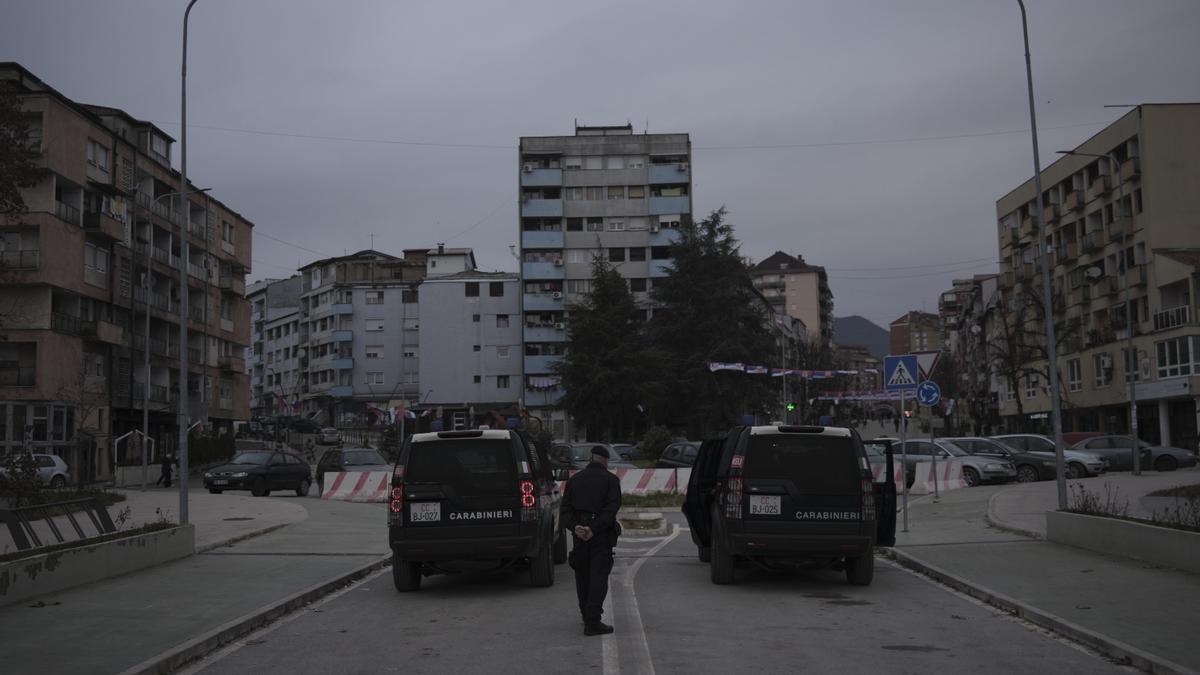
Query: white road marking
[[632, 633]]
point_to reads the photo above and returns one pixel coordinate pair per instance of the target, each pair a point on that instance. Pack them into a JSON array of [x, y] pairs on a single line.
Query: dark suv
[[783, 495], [459, 498]]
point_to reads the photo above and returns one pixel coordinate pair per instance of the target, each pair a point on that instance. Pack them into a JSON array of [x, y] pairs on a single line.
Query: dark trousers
[[164, 478], [593, 563]]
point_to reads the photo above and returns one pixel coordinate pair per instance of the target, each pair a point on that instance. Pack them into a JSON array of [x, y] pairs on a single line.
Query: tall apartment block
[[1125, 219], [799, 290], [605, 191], [915, 332], [97, 253], [274, 355]]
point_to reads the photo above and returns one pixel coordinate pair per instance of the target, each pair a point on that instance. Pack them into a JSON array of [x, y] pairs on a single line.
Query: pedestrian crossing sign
[[900, 372]]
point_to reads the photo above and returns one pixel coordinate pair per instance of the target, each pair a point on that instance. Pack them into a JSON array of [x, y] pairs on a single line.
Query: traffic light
[[790, 407]]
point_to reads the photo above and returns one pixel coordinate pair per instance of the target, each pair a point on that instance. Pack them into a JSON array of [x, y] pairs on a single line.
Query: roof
[[782, 261], [1187, 256], [361, 255], [915, 315], [786, 429], [492, 434], [469, 275]]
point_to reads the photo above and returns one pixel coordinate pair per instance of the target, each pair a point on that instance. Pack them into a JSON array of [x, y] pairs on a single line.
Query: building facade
[[604, 191], [915, 332], [1122, 222], [797, 289], [91, 289], [868, 376], [273, 359]]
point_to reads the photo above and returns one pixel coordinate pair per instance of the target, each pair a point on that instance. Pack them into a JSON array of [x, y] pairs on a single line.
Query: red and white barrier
[[357, 486], [947, 475], [644, 481], [897, 477]]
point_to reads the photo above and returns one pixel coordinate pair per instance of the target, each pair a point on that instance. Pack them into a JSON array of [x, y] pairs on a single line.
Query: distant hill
[[855, 330]]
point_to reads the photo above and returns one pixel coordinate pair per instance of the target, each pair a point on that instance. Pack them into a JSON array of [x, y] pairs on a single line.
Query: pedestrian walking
[[589, 510], [164, 478], [896, 423]]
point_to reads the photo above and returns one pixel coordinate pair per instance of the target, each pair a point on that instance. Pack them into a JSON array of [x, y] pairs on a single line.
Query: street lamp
[[1047, 300], [1131, 358]]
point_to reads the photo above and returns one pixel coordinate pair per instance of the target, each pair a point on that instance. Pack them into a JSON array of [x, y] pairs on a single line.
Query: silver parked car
[[1079, 464], [51, 470], [977, 469], [1118, 450]]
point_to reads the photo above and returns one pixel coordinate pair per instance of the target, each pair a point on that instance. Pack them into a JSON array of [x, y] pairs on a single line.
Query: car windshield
[[251, 458], [362, 457], [1126, 441], [582, 452], [953, 449], [466, 466], [875, 449]]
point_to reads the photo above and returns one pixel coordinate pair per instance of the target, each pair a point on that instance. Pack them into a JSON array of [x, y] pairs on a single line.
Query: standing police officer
[[589, 509]]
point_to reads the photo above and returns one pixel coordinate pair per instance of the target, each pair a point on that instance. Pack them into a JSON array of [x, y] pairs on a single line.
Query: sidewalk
[[115, 625], [1117, 605]]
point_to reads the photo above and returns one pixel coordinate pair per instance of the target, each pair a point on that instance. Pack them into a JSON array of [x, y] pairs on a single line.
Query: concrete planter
[[1153, 544], [44, 573]]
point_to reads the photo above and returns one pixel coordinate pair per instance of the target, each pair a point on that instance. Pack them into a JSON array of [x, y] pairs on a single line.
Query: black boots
[[598, 628]]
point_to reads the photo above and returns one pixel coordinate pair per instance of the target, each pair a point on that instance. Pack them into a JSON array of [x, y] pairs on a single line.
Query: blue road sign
[[928, 393], [900, 372]]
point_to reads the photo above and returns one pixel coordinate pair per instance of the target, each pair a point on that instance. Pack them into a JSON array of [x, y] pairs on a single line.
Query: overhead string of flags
[[714, 366]]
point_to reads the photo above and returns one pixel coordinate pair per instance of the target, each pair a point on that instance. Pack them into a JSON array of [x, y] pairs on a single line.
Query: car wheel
[[971, 477], [305, 484], [627, 457], [406, 574], [1027, 474], [721, 564], [1076, 470], [1165, 463], [541, 567], [861, 570], [560, 548], [259, 488], [705, 553], [58, 482]]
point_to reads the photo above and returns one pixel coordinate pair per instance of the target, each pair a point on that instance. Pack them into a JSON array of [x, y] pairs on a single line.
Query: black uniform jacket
[[593, 497]]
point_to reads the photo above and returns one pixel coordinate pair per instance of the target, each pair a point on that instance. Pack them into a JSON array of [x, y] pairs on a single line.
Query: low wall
[[45, 573], [1158, 545]]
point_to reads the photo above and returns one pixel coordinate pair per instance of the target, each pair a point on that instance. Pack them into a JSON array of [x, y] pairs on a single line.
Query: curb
[[1111, 648], [175, 658], [240, 537], [993, 520]]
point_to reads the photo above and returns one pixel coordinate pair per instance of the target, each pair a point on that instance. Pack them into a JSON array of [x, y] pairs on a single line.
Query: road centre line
[[633, 633]]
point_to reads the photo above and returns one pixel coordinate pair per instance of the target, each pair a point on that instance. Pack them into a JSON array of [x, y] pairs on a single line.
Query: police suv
[[789, 496], [462, 498]]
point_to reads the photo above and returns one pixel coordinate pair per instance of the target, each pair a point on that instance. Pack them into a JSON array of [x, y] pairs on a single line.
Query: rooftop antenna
[[647, 126], [372, 241]]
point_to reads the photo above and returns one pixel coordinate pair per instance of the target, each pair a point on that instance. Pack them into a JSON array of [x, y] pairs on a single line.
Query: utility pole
[[185, 214]]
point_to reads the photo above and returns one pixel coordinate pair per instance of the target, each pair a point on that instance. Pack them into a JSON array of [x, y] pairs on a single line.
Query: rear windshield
[[465, 466], [813, 463], [251, 458]]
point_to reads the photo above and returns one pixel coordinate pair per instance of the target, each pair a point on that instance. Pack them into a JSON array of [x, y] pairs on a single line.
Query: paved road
[[669, 618]]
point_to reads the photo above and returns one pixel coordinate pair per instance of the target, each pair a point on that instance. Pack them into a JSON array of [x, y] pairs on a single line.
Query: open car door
[[699, 491], [885, 496]]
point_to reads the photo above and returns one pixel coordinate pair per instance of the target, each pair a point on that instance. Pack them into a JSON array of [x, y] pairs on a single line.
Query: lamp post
[[1047, 300], [1131, 359], [185, 212]]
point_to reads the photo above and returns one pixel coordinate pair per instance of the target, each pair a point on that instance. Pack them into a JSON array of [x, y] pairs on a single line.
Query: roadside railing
[[21, 521]]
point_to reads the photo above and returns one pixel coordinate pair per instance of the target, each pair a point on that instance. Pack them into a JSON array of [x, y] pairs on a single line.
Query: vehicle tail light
[[733, 501], [528, 501], [868, 500], [396, 511]]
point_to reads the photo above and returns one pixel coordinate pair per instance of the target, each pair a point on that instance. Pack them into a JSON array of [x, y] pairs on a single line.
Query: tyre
[[861, 570], [1165, 463], [214, 491], [1027, 474], [721, 563], [627, 457], [560, 548], [541, 567], [302, 490], [320, 487], [971, 477], [58, 482], [406, 574], [1076, 470], [259, 488], [705, 553]]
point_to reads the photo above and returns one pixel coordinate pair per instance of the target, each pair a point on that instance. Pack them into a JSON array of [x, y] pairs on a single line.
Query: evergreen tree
[[707, 309], [18, 159]]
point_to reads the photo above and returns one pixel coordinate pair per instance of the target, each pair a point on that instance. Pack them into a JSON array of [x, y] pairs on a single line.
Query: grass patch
[[1180, 492], [653, 499], [79, 543], [1184, 515]]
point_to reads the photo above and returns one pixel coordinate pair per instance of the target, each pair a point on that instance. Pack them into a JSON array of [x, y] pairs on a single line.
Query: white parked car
[[51, 470]]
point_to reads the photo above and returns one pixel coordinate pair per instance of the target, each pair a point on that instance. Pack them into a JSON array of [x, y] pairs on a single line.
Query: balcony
[[1172, 318], [1080, 294], [678, 172], [1050, 213], [343, 308], [1064, 253], [17, 376], [542, 397], [196, 313], [109, 333], [1130, 168], [543, 302], [540, 364], [541, 240], [20, 260], [1139, 276], [660, 268], [531, 177], [545, 333], [198, 231], [195, 355], [669, 205], [196, 271], [1093, 241], [1074, 201], [226, 325], [1008, 237], [228, 282], [66, 212], [1120, 227], [1102, 185], [1111, 285], [72, 325], [164, 211], [342, 363], [165, 257], [664, 236], [234, 363], [1028, 226], [103, 224], [542, 270], [541, 208], [343, 336], [342, 391]]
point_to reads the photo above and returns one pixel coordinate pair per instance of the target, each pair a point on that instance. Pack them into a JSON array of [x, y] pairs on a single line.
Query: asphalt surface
[[669, 618]]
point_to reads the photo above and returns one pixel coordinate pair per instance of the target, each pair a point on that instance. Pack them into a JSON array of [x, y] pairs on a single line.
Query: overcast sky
[[868, 136]]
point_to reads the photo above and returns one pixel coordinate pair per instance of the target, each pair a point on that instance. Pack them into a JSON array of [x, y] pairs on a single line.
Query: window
[[95, 265], [595, 224], [1103, 366], [496, 289], [574, 194], [374, 351], [502, 352], [97, 155], [477, 379], [158, 145], [595, 193], [227, 231], [579, 286], [637, 191], [1074, 375], [501, 321], [572, 162], [637, 254], [409, 297], [472, 289], [374, 325], [593, 163], [580, 255], [374, 378], [637, 285], [1178, 356], [616, 255], [475, 318], [502, 381], [574, 224], [616, 192], [635, 162], [374, 297], [616, 225], [476, 348], [1031, 385], [411, 352], [616, 162]]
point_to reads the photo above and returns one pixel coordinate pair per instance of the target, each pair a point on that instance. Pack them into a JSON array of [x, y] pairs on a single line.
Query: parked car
[[260, 472], [1031, 466], [1079, 464], [628, 451], [678, 455], [977, 469], [781, 495], [577, 455], [1073, 437], [1118, 450], [344, 460], [329, 436], [52, 470]]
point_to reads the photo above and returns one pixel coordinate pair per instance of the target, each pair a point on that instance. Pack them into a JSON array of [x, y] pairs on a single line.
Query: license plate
[[220, 482], [764, 505], [425, 512]]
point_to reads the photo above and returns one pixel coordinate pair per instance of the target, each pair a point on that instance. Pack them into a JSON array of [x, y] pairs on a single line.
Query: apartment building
[[973, 337], [91, 288], [797, 289], [470, 332], [858, 358], [1120, 218], [274, 356], [915, 332], [605, 191]]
